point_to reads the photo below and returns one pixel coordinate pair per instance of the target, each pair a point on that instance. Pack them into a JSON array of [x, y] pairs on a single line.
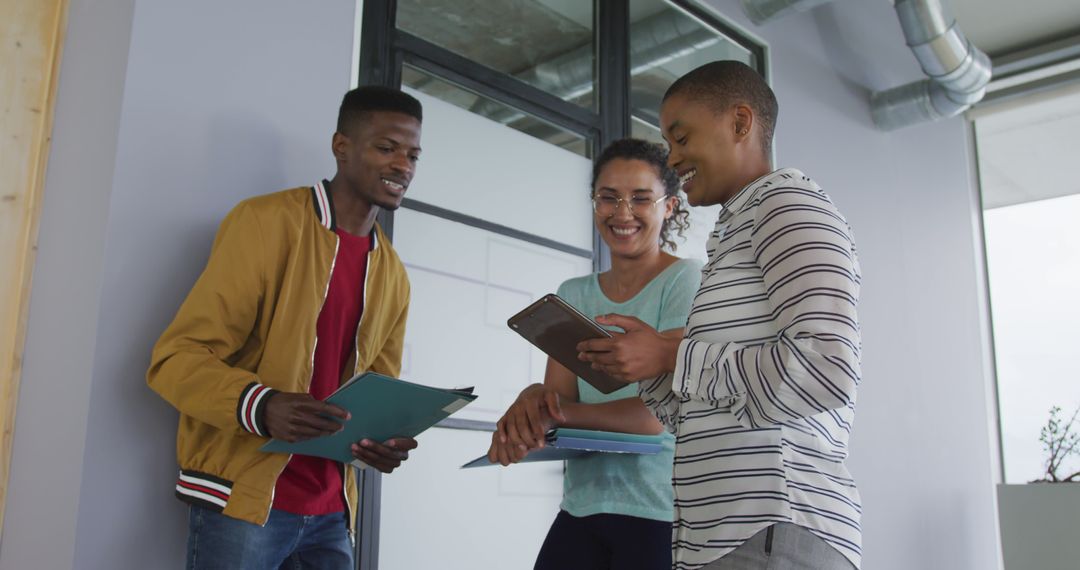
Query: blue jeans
[[288, 541]]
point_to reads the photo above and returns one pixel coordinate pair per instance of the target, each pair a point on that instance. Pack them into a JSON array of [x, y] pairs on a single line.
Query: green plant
[[1060, 440]]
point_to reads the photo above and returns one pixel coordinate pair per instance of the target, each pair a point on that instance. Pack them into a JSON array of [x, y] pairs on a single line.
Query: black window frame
[[385, 49]]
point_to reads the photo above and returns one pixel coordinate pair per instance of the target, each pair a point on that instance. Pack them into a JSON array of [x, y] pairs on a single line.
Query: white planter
[[1040, 526]]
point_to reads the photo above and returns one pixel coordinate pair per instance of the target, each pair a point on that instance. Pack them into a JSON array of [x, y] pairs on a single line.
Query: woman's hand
[[522, 428], [638, 353], [504, 452]]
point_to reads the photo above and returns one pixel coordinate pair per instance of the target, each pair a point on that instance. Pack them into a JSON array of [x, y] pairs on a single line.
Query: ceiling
[[1026, 150], [1000, 27], [1023, 146]]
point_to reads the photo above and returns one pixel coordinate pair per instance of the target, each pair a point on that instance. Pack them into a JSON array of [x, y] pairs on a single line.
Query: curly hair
[[656, 156]]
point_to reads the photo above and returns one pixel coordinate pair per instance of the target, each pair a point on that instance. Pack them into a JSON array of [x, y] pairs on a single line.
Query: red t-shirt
[[312, 485]]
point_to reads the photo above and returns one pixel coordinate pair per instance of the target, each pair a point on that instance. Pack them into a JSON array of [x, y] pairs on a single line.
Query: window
[[1031, 204], [549, 44], [666, 42], [499, 112], [518, 96]]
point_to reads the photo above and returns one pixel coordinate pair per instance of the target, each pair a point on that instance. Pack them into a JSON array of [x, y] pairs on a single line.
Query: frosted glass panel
[[495, 110], [702, 222], [547, 44], [665, 44], [435, 515], [465, 283], [490, 171]]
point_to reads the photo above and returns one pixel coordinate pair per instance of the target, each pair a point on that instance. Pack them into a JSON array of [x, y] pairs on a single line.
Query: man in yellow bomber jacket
[[302, 290]]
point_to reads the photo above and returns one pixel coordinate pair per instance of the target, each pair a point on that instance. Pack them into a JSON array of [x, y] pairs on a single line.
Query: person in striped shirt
[[760, 391]]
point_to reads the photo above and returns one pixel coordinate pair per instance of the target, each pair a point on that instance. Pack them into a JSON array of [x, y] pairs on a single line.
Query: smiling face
[[378, 159], [625, 181], [705, 148]]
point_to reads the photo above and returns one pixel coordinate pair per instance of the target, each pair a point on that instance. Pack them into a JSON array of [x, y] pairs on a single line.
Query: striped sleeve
[[661, 400], [806, 255]]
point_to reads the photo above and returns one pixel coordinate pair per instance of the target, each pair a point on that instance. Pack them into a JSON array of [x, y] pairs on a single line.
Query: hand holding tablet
[[555, 327]]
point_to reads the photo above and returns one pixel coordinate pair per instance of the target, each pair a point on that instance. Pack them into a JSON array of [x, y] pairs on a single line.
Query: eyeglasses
[[607, 204]]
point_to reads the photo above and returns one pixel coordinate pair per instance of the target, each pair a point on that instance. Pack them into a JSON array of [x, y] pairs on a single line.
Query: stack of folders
[[382, 408], [566, 443]]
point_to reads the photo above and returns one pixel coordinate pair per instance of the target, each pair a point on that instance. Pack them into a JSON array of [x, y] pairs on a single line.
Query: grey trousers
[[791, 547]]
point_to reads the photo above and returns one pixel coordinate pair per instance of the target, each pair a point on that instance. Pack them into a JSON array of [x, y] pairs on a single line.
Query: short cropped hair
[[367, 99], [721, 84]]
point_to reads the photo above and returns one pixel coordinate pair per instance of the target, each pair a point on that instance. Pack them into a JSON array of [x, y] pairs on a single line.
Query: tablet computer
[[555, 327]]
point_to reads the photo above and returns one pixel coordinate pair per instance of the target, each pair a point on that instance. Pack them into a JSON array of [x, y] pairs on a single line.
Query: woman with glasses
[[617, 508]]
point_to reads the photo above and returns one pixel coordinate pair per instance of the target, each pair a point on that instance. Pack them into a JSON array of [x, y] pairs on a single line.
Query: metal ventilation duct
[[958, 71], [761, 11]]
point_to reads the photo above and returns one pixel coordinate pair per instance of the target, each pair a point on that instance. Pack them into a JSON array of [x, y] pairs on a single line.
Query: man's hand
[[637, 354], [298, 417], [385, 456]]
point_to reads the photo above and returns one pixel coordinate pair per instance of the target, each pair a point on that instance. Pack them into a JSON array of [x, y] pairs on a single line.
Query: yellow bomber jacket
[[247, 329]]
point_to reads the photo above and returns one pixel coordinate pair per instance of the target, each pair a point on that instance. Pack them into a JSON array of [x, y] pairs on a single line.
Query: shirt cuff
[[697, 365], [682, 382]]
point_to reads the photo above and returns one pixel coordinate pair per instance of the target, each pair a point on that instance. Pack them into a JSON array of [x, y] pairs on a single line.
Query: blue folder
[[569, 443], [382, 407]]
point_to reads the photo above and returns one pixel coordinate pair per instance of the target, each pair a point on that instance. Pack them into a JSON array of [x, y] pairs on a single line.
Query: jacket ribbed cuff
[[251, 408]]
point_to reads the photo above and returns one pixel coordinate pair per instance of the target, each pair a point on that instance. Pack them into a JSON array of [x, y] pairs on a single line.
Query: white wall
[[44, 485], [218, 101], [222, 100]]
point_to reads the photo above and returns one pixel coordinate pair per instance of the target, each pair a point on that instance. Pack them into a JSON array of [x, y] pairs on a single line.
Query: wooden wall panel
[[31, 40]]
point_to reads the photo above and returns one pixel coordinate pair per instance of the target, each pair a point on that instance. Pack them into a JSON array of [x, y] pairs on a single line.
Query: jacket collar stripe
[[326, 212], [323, 205]]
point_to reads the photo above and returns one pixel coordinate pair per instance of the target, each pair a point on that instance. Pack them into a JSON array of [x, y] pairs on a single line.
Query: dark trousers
[[602, 542]]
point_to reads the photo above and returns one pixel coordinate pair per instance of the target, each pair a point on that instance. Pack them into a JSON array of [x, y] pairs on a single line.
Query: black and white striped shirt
[[763, 394]]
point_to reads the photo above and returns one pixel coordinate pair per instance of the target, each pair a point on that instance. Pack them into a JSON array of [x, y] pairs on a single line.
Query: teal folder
[[382, 407], [568, 443]]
